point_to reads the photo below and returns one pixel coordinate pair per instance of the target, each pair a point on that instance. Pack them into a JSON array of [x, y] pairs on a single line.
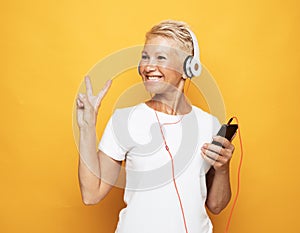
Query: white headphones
[[192, 66]]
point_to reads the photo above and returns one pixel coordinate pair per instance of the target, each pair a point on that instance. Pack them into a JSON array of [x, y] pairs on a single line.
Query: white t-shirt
[[133, 134]]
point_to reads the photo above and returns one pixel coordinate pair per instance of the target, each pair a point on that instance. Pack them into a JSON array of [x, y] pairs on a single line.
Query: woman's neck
[[172, 105]]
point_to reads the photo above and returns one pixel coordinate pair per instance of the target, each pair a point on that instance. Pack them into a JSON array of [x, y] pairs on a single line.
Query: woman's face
[[161, 65]]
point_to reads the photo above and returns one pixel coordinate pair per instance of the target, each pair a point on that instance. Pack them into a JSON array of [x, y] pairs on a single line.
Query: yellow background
[[251, 48]]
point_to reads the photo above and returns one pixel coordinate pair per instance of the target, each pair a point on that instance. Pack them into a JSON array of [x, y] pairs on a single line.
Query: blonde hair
[[176, 30]]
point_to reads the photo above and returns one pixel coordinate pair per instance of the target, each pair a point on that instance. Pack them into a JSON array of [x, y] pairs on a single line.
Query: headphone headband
[[195, 45]]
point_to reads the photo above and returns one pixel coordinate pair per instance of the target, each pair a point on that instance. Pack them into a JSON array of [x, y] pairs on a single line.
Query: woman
[[172, 169]]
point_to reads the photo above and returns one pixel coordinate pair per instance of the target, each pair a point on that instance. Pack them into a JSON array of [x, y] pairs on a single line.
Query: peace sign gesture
[[88, 104]]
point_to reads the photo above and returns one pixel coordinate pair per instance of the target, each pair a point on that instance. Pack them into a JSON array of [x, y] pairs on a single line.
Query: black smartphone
[[228, 131]]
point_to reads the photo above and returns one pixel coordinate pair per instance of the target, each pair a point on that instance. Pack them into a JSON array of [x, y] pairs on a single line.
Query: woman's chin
[[160, 87], [156, 87]]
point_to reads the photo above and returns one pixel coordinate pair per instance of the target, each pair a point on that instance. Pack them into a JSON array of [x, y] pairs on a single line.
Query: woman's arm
[[218, 179], [96, 181], [96, 171]]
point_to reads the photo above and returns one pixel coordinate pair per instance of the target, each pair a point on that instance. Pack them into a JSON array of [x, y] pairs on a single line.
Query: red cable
[[173, 173], [238, 179], [172, 161]]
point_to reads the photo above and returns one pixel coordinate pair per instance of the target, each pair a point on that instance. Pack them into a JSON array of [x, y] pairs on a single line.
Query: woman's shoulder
[[203, 115], [130, 112], [201, 112], [137, 107], [206, 120]]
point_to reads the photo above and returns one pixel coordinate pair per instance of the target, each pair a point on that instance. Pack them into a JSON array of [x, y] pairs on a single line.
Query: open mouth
[[154, 78]]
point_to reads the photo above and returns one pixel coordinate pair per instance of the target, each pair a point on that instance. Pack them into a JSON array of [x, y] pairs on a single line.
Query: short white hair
[[176, 30]]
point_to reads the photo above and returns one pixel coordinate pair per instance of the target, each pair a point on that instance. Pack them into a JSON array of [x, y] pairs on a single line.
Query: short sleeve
[[109, 143], [216, 125]]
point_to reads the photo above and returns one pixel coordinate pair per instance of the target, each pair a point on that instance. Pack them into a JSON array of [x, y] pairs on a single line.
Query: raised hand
[[88, 104]]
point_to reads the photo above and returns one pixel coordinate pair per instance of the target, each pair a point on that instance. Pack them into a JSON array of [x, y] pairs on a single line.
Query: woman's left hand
[[217, 156]]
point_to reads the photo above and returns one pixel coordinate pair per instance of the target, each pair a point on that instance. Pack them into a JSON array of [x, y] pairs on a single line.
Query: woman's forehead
[[162, 44]]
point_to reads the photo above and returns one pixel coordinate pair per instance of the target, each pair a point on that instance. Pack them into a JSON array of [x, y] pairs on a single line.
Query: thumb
[[83, 99], [79, 103]]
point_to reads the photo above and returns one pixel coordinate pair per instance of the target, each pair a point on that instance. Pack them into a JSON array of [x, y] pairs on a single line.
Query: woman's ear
[[183, 76]]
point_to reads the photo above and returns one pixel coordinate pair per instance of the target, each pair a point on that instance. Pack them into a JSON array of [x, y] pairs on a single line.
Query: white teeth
[[153, 77]]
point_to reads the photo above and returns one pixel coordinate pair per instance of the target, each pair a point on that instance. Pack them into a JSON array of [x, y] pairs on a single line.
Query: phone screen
[[226, 131]]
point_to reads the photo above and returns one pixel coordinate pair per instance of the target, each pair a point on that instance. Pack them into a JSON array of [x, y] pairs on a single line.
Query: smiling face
[[161, 65]]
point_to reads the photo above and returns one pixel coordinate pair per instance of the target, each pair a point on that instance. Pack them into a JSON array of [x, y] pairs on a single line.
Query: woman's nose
[[151, 64], [150, 67]]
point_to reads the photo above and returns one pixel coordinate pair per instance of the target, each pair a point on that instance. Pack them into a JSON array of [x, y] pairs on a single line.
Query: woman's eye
[[145, 57], [161, 58]]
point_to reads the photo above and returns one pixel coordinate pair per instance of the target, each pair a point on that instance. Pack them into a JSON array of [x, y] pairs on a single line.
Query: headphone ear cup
[[187, 66], [195, 67]]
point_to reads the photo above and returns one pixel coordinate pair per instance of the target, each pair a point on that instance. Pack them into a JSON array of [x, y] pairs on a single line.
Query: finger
[[103, 92], [224, 141], [225, 152], [214, 159], [83, 99], [212, 147], [79, 103], [211, 154], [220, 139], [88, 85], [229, 146], [208, 159]]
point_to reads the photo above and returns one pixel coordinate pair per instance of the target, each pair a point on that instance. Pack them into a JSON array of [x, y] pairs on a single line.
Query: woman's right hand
[[88, 104]]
